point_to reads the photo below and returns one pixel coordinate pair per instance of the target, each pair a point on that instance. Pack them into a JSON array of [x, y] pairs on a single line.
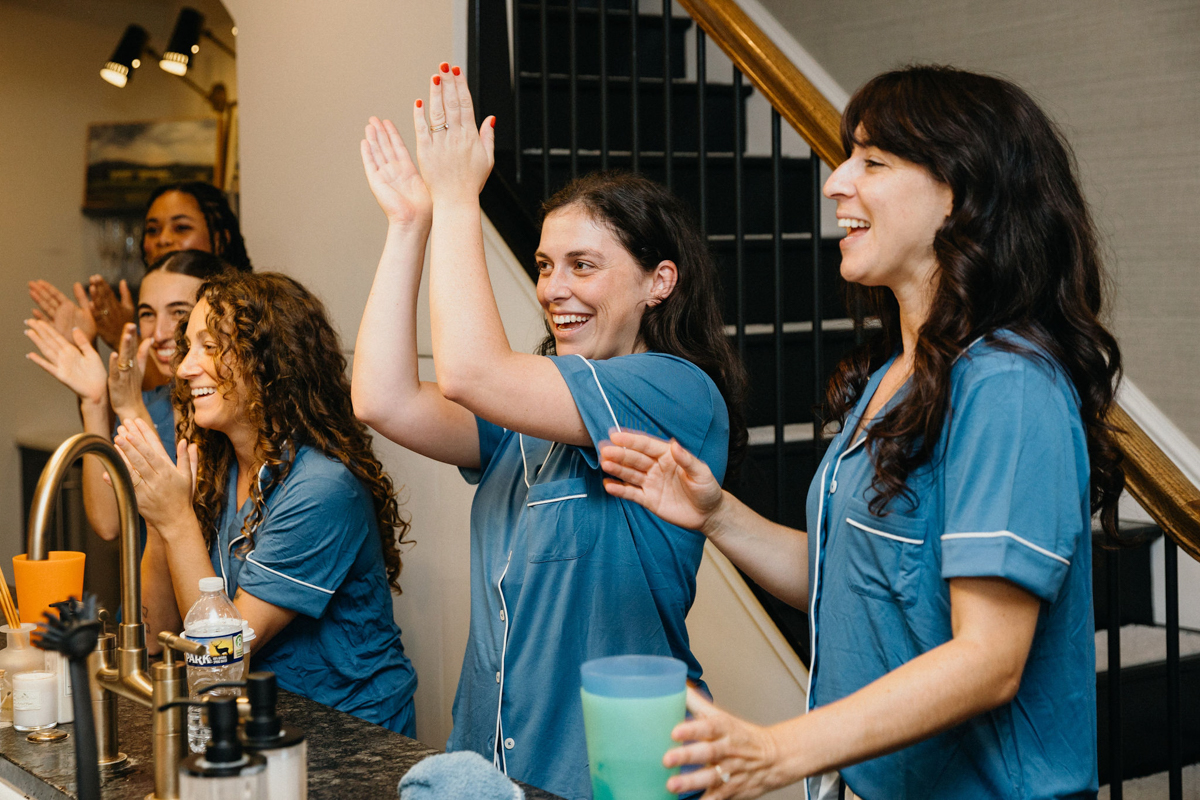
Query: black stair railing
[[620, 94]]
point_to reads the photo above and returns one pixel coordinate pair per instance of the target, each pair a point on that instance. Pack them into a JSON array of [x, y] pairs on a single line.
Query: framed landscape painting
[[127, 160]]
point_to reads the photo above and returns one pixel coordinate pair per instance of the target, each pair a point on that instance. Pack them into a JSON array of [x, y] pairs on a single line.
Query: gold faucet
[[120, 665]]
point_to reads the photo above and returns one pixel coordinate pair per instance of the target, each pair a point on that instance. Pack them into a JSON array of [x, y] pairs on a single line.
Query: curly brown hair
[[275, 345]]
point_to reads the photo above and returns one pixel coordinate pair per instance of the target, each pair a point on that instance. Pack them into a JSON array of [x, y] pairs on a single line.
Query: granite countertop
[[347, 757]]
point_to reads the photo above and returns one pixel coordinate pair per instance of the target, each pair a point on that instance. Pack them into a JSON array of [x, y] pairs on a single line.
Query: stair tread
[[1144, 644]]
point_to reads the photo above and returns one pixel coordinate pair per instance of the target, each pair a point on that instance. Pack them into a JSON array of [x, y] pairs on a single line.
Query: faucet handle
[[173, 643], [103, 616]]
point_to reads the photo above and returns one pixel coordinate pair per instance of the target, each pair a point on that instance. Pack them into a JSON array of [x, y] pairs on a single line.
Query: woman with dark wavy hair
[[560, 571], [947, 565], [291, 507]]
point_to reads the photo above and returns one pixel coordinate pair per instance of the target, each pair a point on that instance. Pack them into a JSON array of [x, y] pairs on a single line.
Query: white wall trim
[[796, 53], [787, 656], [1174, 442]]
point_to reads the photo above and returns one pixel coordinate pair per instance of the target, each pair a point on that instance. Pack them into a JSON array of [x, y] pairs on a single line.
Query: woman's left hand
[[164, 490], [739, 760], [455, 159], [125, 370], [110, 313], [74, 363]]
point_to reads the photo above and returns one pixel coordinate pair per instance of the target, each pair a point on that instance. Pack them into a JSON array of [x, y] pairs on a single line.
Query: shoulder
[[1008, 363], [319, 478], [665, 372]]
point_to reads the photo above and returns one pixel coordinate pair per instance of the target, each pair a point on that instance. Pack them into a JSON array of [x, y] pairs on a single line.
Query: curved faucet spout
[[47, 492]]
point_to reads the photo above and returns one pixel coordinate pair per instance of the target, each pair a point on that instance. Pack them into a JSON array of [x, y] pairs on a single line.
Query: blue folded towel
[[457, 776]]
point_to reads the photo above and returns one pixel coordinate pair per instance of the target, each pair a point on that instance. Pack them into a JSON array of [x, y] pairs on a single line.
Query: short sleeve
[[307, 542], [652, 393], [1016, 478], [489, 441]]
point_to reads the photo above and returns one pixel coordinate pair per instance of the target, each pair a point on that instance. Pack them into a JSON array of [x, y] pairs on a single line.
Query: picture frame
[[127, 160]]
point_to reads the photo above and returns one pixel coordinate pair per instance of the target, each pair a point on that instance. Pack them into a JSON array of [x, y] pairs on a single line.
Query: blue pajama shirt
[[562, 572], [1004, 495], [317, 552]]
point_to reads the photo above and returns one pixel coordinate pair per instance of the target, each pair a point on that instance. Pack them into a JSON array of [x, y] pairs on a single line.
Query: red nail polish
[[493, 122], [418, 104], [437, 80], [444, 67], [456, 71]]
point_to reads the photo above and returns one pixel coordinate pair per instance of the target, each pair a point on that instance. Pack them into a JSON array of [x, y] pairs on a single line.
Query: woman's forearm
[[159, 609], [975, 672], [187, 559], [99, 501], [469, 343], [386, 389], [774, 556]]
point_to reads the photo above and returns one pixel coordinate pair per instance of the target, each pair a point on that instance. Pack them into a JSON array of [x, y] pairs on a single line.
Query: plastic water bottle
[[215, 622]]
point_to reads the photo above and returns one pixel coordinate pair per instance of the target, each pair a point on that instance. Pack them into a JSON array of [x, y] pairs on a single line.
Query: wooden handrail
[[773, 74], [1151, 477], [1157, 484]]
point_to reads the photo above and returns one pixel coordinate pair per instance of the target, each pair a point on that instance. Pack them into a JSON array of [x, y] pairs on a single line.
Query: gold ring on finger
[[437, 128], [722, 774], [124, 366], [104, 312]]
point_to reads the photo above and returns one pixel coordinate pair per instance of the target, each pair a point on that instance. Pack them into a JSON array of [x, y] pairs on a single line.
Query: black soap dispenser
[[224, 771], [284, 748]]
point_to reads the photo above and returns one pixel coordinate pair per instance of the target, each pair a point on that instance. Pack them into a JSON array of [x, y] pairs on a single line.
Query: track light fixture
[[185, 42], [127, 57]]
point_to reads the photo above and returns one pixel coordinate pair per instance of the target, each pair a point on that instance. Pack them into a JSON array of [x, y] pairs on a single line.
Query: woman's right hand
[[56, 308], [125, 370], [76, 365], [664, 478], [393, 177], [163, 489], [110, 312]]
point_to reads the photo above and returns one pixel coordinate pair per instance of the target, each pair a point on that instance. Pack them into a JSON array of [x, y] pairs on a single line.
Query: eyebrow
[[572, 254]]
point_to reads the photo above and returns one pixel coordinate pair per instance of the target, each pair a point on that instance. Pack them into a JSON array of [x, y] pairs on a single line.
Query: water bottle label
[[220, 651]]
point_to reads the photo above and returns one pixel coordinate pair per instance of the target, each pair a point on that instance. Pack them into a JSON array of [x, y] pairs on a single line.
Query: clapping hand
[[456, 157], [662, 476], [164, 490], [394, 179], [56, 308], [75, 364], [125, 370], [110, 313]]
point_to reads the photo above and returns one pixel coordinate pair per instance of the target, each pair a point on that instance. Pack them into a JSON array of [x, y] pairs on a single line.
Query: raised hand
[[56, 308], [456, 157], [75, 364], [740, 760], [125, 370], [394, 179], [164, 489], [110, 313], [663, 477]]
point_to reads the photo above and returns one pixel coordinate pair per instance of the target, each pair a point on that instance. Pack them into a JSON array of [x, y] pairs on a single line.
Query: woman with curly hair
[[291, 507], [947, 563]]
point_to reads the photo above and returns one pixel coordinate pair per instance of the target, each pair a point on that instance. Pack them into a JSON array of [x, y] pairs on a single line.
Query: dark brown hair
[[285, 361], [1018, 252], [654, 226]]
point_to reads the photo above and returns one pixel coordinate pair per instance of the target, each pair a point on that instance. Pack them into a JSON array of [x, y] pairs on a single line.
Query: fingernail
[[419, 104], [437, 80], [456, 71], [444, 67], [493, 122]]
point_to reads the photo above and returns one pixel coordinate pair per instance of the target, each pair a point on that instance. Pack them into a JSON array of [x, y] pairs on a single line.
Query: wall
[[51, 52], [1120, 79]]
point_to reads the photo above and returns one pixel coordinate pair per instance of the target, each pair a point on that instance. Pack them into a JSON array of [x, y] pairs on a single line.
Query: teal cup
[[630, 706]]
